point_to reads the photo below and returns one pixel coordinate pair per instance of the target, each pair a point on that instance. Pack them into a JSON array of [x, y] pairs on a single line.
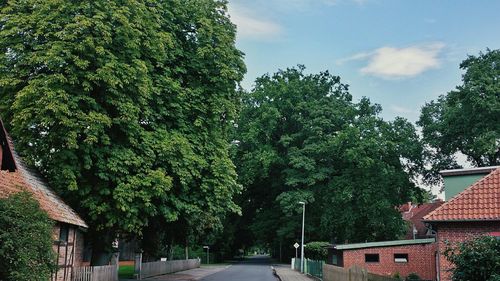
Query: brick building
[[15, 177], [389, 257], [472, 212]]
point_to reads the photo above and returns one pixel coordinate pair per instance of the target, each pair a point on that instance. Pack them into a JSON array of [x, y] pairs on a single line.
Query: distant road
[[256, 268]]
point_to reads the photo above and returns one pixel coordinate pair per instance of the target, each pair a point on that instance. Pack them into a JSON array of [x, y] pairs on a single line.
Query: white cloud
[[251, 26], [391, 63], [402, 110]]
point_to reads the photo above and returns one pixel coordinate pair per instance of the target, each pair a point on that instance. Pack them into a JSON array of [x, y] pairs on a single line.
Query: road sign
[[296, 245]]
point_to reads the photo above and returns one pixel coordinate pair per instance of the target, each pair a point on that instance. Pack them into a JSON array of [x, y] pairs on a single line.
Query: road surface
[[256, 268]]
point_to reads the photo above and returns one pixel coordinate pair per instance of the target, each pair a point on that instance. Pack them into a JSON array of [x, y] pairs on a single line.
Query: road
[[257, 268]]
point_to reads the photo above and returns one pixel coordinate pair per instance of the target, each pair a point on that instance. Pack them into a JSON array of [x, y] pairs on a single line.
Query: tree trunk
[[101, 248]]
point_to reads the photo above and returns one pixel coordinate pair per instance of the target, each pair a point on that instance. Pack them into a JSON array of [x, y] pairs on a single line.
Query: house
[[473, 211], [413, 214], [15, 177], [389, 257]]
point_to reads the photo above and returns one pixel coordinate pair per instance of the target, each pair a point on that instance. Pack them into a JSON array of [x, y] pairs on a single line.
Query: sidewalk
[[288, 274], [189, 275]]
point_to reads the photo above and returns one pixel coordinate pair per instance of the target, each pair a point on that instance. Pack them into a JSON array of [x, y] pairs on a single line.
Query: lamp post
[[208, 253], [302, 244]]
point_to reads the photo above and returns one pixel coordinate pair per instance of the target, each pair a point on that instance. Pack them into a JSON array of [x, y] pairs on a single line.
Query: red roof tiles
[[414, 215], [25, 179], [480, 201]]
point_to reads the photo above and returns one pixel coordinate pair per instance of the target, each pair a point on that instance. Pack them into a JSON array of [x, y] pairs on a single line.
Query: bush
[[475, 260], [412, 276], [316, 250], [25, 240]]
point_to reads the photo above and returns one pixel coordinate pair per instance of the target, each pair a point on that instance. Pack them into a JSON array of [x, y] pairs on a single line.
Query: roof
[[478, 202], [415, 214], [26, 179], [468, 171], [382, 244]]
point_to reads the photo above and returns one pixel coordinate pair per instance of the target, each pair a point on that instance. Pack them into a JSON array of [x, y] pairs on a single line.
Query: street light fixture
[[208, 253], [302, 244]]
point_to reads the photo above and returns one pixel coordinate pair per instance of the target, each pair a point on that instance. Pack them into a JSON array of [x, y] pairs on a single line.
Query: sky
[[400, 54]]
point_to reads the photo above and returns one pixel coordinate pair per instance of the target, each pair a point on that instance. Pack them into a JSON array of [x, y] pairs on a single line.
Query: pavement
[[285, 273], [192, 274]]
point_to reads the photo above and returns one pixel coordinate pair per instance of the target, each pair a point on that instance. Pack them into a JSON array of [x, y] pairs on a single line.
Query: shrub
[[412, 276], [316, 250], [397, 276], [475, 260], [25, 240]]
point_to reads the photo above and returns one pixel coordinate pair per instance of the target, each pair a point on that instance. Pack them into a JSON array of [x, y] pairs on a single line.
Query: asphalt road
[[253, 269]]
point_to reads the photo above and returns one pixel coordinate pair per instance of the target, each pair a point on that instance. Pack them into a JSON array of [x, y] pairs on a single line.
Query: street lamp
[[208, 253], [302, 244]]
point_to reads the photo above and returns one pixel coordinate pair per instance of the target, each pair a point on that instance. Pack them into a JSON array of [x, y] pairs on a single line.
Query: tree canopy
[[466, 119], [300, 137], [125, 107]]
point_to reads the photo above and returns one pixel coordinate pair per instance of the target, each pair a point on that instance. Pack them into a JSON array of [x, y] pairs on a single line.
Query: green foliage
[[397, 276], [25, 240], [412, 276], [475, 260], [125, 107], [466, 119], [316, 250], [302, 138]]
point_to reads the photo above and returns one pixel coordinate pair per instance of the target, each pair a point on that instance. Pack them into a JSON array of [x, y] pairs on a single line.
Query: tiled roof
[[26, 179], [415, 214], [480, 201]]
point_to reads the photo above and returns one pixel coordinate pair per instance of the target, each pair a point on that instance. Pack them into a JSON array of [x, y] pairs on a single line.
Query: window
[[401, 258], [63, 233], [372, 258]]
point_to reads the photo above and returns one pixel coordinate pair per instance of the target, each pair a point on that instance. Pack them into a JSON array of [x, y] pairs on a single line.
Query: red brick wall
[[421, 260], [459, 232]]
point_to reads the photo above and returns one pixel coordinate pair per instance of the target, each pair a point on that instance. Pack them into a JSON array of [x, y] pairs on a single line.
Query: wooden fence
[[355, 273], [95, 273], [150, 269]]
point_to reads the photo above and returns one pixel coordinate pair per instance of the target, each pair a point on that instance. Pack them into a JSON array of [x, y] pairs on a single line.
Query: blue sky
[[400, 54]]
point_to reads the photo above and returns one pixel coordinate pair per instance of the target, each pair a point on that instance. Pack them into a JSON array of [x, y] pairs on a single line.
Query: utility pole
[[302, 244]]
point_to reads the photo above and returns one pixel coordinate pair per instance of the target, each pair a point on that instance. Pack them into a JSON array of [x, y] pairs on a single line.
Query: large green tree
[[125, 107], [302, 138], [466, 120]]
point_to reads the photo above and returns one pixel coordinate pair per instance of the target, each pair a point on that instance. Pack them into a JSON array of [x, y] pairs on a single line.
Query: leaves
[[25, 240], [302, 138], [475, 260], [466, 119], [125, 106]]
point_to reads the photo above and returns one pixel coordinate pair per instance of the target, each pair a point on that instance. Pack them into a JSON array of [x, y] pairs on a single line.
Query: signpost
[[296, 246]]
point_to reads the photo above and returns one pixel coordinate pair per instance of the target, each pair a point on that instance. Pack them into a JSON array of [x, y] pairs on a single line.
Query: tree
[[301, 138], [125, 107], [316, 250], [466, 119], [25, 240], [475, 260]]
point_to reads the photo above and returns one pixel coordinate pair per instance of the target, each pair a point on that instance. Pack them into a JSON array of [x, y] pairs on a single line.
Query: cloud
[[250, 26], [402, 110], [393, 63]]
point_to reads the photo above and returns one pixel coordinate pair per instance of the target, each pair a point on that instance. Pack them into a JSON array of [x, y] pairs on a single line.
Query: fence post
[[138, 265]]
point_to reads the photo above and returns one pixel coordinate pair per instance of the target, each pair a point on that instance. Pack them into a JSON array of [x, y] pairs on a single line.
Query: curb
[[274, 273]]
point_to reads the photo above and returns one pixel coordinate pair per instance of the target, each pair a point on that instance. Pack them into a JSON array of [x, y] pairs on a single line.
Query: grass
[[126, 271]]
